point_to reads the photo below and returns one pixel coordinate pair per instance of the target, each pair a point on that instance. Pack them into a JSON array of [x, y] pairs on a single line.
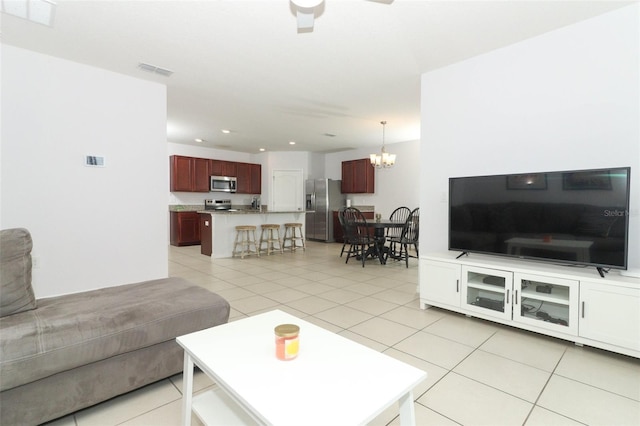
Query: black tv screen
[[571, 217]]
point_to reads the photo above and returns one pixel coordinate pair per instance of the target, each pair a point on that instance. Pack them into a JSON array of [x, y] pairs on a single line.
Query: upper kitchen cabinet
[[358, 177], [223, 168], [249, 178], [201, 173], [189, 174]]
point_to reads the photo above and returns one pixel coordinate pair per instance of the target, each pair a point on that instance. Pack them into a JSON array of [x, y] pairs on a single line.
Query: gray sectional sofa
[[61, 354]]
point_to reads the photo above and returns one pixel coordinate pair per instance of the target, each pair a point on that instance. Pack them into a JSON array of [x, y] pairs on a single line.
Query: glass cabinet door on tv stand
[[546, 302], [487, 291]]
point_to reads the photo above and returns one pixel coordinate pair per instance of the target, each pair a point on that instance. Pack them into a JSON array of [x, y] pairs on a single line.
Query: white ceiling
[[242, 65]]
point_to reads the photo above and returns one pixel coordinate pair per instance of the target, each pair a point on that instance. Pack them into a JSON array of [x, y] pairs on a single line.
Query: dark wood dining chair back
[[399, 248], [411, 230], [356, 233], [344, 229], [398, 215]]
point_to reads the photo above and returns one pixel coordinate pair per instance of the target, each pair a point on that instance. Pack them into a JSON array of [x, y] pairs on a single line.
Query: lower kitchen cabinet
[[562, 302], [184, 228]]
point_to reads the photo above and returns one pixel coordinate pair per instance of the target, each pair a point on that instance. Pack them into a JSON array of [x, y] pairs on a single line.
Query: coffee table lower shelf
[[215, 407]]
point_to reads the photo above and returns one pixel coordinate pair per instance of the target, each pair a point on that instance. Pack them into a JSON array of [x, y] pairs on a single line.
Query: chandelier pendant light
[[384, 159]]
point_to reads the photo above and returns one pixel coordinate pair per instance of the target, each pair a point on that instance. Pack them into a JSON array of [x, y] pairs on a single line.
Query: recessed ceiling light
[[199, 140], [262, 149], [226, 131], [292, 143]]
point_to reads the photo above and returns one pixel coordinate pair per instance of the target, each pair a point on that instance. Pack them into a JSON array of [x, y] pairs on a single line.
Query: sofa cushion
[[69, 331], [16, 293]]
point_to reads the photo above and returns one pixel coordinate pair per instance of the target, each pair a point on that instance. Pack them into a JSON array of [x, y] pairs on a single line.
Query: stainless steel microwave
[[223, 184]]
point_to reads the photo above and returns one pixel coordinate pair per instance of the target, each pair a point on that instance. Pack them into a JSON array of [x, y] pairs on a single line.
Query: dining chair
[[357, 234], [399, 247], [398, 215], [344, 230]]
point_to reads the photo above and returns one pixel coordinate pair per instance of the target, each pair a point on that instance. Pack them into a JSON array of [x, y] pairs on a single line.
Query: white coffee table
[[333, 381]]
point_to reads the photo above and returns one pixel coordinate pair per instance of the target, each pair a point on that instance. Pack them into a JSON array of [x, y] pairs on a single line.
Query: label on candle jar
[[287, 342]]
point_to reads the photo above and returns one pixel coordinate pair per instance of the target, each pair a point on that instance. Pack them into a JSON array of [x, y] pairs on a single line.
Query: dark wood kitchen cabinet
[[249, 178], [223, 168], [189, 174], [184, 228], [358, 177]]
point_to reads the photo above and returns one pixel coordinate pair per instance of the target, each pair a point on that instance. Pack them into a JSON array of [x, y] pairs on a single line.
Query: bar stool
[[293, 234], [243, 237], [270, 239]]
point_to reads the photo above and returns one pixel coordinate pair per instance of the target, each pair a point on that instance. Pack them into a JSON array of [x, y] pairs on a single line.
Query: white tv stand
[[571, 303]]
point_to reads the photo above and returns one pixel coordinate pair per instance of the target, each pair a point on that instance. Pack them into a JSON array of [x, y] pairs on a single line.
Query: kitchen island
[[220, 225]]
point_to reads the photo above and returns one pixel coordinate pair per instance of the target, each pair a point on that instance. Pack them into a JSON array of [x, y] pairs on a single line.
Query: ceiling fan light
[[307, 4]]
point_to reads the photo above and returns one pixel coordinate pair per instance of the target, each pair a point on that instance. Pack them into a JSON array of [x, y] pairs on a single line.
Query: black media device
[[485, 302], [572, 217], [544, 289]]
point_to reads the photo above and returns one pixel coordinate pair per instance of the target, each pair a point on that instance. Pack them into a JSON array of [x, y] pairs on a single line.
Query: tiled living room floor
[[480, 373]]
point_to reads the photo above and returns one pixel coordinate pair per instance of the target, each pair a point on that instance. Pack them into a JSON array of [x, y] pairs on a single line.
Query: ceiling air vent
[[154, 69]]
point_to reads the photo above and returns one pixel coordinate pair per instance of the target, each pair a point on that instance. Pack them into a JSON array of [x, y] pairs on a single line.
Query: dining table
[[379, 227]]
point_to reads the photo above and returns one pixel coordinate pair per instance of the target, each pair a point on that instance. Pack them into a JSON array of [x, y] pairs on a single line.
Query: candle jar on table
[[287, 342]]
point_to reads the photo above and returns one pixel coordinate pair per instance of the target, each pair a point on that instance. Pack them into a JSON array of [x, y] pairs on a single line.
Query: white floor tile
[[371, 305], [434, 349], [376, 346], [588, 404], [416, 318], [529, 348], [462, 329], [312, 304], [543, 417], [383, 330], [341, 296], [611, 372], [252, 304], [509, 376], [395, 296], [471, 403], [343, 316]]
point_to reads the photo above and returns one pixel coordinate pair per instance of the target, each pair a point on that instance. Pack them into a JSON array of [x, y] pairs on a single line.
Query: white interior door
[[287, 191]]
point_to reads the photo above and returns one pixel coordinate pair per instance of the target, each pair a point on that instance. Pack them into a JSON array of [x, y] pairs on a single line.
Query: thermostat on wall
[[93, 161]]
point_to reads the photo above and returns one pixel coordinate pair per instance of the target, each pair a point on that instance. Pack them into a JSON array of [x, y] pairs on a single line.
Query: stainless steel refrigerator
[[323, 197]]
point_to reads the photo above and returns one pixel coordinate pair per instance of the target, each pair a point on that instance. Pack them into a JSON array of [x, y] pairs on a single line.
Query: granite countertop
[[247, 211], [199, 208]]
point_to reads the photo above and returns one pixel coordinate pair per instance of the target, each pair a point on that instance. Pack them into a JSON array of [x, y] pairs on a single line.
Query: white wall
[[91, 227], [568, 99], [394, 187]]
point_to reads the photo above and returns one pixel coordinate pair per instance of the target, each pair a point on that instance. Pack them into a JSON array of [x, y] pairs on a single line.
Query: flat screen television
[[576, 217]]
